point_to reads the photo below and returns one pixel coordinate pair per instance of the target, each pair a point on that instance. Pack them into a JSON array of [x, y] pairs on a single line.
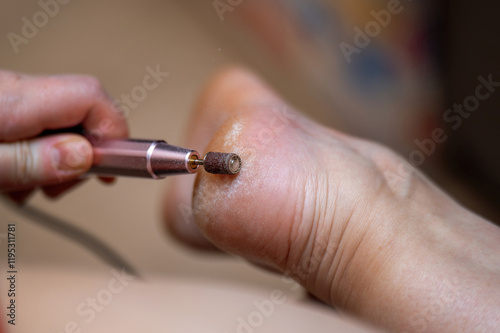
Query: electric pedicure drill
[[151, 158], [157, 159]]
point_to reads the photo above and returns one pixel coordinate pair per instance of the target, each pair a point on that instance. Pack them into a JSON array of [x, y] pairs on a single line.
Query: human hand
[[31, 104], [348, 219]]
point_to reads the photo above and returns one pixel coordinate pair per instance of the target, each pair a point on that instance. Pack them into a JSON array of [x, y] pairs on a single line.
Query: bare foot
[[350, 220]]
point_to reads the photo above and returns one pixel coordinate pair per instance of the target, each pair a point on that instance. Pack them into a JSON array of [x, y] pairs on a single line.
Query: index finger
[[31, 104]]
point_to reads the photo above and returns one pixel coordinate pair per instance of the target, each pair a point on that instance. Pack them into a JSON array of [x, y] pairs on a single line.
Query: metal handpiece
[[157, 159]]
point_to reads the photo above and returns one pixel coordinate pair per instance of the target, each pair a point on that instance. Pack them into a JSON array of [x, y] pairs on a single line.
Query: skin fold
[[354, 223]]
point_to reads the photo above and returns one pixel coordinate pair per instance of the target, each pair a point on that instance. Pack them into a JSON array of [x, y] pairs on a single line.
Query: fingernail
[[70, 155]]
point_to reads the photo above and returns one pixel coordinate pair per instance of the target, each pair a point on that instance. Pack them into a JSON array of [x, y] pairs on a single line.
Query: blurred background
[[387, 78]]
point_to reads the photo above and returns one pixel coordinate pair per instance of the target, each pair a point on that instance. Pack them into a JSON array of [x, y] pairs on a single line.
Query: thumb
[[43, 161]]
